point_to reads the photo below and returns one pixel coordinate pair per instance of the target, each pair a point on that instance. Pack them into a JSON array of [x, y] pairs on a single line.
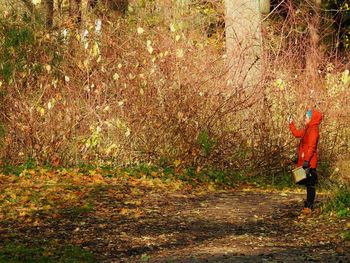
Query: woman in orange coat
[[307, 153]]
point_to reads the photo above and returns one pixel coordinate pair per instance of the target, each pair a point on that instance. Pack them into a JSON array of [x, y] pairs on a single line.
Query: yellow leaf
[[124, 211], [47, 253], [48, 68], [41, 111], [36, 2], [95, 50], [179, 53], [211, 187], [149, 183], [172, 27], [177, 163], [137, 214], [25, 199], [22, 213], [132, 202], [140, 30], [149, 47], [86, 63], [128, 132], [115, 76], [46, 207]]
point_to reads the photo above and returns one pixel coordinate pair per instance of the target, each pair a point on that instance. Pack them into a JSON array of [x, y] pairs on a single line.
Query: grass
[[346, 235], [16, 253], [169, 172], [78, 211], [189, 175], [8, 168], [339, 203]]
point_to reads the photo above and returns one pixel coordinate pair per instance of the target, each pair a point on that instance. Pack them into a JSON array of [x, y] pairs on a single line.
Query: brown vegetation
[[148, 89]]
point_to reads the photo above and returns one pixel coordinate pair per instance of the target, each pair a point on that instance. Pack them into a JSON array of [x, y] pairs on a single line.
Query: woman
[[307, 153]]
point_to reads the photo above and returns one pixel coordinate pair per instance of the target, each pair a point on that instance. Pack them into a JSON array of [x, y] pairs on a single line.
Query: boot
[[306, 211], [308, 205]]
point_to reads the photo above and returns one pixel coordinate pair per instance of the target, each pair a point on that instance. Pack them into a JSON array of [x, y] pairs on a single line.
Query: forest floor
[[63, 217]]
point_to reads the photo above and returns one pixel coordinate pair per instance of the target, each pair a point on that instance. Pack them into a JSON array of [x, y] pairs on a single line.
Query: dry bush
[[136, 93], [149, 89], [303, 71], [341, 173]]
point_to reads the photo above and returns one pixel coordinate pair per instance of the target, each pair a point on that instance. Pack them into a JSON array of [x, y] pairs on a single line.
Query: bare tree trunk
[[50, 13], [83, 11], [243, 41], [265, 6], [75, 10], [59, 6], [118, 6], [313, 53], [181, 5], [31, 7]]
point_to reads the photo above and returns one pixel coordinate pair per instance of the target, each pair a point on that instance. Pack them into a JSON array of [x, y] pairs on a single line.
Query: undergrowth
[[16, 253], [189, 175], [339, 202]]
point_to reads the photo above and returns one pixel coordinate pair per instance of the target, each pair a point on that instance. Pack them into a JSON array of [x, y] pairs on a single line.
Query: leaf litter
[[132, 219]]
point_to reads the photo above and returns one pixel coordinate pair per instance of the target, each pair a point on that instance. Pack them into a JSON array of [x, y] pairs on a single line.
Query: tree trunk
[[313, 53], [31, 7], [265, 6], [243, 41], [83, 11], [50, 13], [75, 11], [29, 4]]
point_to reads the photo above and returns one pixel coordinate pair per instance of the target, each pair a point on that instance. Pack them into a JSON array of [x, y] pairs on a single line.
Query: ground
[[139, 220]]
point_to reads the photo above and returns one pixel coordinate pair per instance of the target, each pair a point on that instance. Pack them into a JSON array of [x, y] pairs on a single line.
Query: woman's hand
[[306, 167]]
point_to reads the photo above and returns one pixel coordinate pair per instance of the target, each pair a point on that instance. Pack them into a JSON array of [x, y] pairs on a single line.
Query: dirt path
[[228, 226], [253, 227]]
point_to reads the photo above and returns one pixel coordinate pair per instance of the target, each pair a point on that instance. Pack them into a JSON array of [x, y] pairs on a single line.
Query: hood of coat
[[316, 118]]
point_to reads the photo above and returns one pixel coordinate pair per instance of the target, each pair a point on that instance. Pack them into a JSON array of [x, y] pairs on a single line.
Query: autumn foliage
[[147, 88]]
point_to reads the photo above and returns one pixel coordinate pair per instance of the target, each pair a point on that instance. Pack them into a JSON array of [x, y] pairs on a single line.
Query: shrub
[[152, 89], [339, 202], [136, 93]]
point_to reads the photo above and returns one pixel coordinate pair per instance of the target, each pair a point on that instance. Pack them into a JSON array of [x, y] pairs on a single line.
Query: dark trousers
[[310, 183]]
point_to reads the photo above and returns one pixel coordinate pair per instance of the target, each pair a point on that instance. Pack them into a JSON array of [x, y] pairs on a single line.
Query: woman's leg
[[311, 189]]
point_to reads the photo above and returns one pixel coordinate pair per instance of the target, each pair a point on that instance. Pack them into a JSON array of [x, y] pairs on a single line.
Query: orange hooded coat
[[307, 150]]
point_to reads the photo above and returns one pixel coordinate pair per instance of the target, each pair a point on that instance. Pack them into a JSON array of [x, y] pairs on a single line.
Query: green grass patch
[[339, 203], [346, 235], [190, 175], [78, 211], [15, 253], [16, 169]]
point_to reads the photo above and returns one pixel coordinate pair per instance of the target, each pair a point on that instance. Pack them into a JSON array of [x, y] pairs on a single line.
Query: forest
[[162, 130]]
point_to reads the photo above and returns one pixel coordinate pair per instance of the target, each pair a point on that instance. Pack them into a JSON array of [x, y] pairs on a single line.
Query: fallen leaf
[[339, 250]]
